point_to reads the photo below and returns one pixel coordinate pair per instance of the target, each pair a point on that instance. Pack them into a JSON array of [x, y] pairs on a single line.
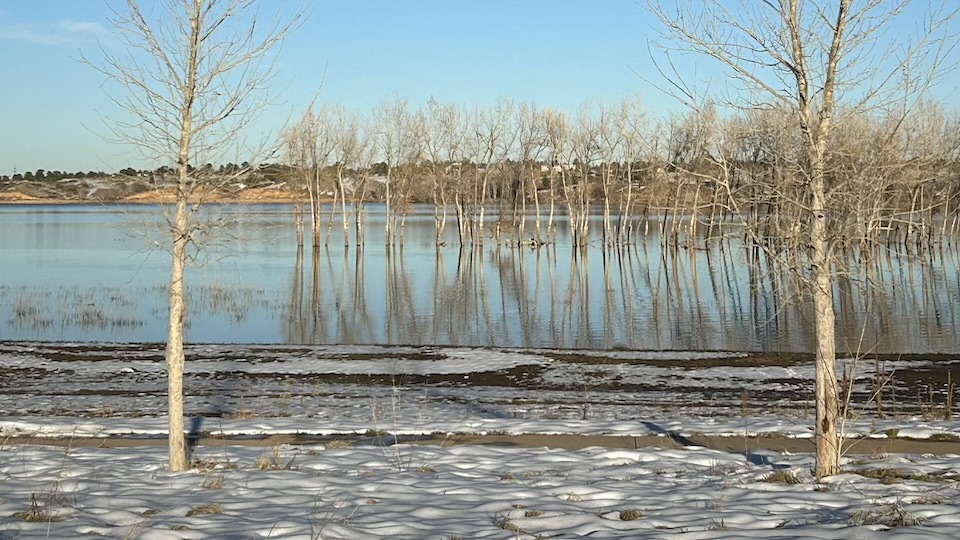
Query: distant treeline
[[892, 174], [891, 171]]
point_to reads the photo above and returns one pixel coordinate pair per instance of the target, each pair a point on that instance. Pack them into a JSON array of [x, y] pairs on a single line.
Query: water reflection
[[77, 274]]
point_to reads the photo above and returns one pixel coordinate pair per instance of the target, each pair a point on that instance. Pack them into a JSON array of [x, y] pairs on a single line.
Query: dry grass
[[38, 512], [273, 461], [717, 525], [890, 475], [339, 444], [890, 515], [630, 514], [507, 525], [213, 482], [782, 476], [205, 509], [241, 414], [207, 465]]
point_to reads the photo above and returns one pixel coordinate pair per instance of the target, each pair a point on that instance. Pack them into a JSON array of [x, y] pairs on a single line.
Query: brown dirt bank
[[126, 190], [253, 196]]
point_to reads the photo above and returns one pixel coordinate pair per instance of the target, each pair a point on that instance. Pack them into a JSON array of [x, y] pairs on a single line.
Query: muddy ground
[[128, 380]]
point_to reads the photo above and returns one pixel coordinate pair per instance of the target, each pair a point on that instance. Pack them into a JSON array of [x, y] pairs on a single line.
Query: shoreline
[[151, 200]]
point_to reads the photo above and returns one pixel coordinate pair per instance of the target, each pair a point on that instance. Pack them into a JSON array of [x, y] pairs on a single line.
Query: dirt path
[[736, 445]]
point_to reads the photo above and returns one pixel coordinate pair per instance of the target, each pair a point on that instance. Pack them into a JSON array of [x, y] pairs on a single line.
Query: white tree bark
[[192, 77]]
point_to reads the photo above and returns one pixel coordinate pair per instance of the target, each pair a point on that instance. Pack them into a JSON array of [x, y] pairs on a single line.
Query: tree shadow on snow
[[753, 457]]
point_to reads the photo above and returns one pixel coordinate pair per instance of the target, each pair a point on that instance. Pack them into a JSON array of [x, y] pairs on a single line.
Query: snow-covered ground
[[357, 487]]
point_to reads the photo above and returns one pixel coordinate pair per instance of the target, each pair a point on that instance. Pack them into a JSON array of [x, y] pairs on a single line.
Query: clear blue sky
[[556, 52]]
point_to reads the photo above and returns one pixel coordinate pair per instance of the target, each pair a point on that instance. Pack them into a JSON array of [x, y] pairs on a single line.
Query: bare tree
[[585, 151], [390, 120], [309, 144], [631, 122], [531, 142], [193, 73], [557, 129], [442, 146], [822, 61], [493, 138], [347, 147]]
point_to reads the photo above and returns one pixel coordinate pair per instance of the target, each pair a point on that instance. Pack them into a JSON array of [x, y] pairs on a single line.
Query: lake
[[93, 273]]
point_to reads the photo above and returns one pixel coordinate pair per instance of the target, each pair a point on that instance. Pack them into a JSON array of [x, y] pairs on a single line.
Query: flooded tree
[[531, 145], [390, 135], [310, 143], [823, 62], [442, 143], [191, 75]]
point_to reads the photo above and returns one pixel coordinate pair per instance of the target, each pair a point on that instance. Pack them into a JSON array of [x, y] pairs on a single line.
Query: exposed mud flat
[[357, 383]]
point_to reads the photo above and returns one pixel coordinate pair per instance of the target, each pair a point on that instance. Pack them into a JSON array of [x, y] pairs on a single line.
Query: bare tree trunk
[[181, 237], [826, 436], [175, 357], [343, 207]]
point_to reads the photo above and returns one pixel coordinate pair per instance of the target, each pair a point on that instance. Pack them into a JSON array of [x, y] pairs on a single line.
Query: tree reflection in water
[[718, 297], [75, 274]]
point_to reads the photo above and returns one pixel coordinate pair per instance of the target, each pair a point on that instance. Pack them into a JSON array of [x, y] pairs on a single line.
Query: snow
[[361, 483], [407, 491]]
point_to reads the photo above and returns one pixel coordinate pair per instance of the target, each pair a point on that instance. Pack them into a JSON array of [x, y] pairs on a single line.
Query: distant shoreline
[[21, 199]]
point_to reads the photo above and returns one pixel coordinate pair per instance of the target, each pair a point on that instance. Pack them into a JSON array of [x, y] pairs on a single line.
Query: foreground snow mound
[[462, 492]]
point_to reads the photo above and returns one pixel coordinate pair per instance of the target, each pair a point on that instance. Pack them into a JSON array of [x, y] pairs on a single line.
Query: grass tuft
[[207, 465], [273, 461], [890, 475], [37, 512], [782, 476], [717, 525], [339, 444], [507, 525], [213, 482], [890, 515], [205, 509]]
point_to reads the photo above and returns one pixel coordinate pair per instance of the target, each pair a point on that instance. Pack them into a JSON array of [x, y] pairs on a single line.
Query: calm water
[[95, 273]]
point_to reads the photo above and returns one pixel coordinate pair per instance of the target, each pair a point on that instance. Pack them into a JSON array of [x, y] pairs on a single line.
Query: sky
[[355, 53], [352, 52]]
